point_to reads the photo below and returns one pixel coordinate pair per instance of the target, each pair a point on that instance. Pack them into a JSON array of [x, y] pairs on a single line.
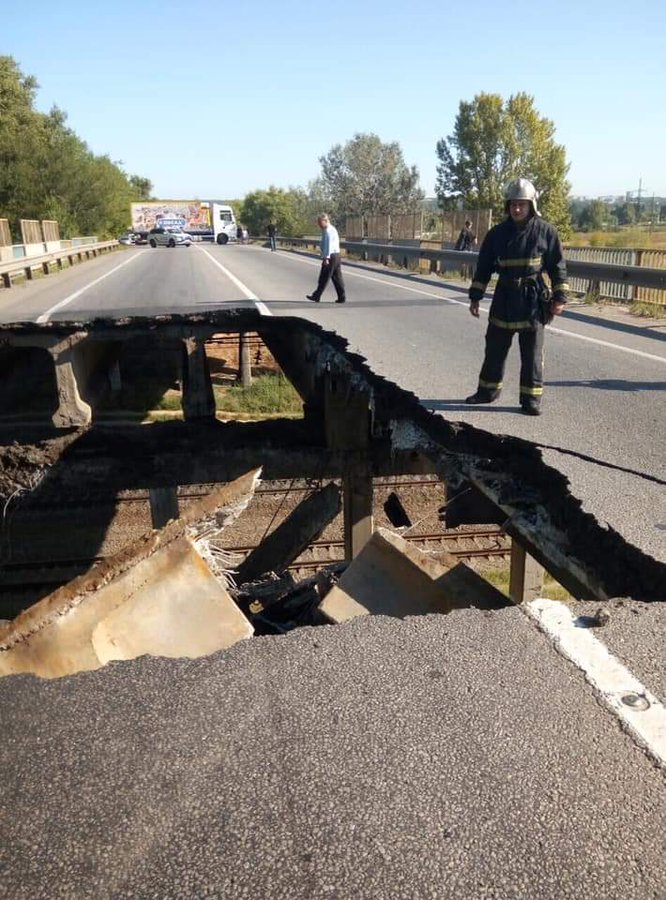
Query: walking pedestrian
[[520, 249], [239, 233], [272, 232], [330, 262]]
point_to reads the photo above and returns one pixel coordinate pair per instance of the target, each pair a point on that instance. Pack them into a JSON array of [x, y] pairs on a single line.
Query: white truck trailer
[[209, 220]]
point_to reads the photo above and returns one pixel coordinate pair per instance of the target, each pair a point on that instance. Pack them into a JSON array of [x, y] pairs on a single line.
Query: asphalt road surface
[[439, 757], [605, 374]]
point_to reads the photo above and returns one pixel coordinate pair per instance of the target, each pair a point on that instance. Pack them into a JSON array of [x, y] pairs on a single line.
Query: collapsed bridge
[[356, 427]]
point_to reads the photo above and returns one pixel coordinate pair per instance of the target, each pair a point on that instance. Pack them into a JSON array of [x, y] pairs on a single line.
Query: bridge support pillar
[[72, 409], [198, 397], [526, 575]]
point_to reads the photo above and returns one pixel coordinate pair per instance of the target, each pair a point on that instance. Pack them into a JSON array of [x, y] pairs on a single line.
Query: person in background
[[466, 241], [272, 232], [239, 233], [466, 238], [330, 262], [520, 248]]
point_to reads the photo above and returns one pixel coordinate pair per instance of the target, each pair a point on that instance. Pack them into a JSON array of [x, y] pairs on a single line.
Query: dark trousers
[[498, 342], [271, 238], [333, 271]]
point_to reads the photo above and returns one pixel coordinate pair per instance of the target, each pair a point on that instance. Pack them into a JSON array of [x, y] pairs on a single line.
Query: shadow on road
[[357, 304], [403, 276], [461, 406], [612, 384], [639, 330]]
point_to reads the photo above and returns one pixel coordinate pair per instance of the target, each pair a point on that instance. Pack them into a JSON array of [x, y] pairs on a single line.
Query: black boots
[[481, 397]]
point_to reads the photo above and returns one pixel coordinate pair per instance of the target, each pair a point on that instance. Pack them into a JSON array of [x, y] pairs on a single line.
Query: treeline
[[604, 215], [493, 141], [48, 172], [364, 176]]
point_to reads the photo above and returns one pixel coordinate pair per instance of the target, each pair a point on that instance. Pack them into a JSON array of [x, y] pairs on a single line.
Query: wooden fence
[[410, 226], [453, 223]]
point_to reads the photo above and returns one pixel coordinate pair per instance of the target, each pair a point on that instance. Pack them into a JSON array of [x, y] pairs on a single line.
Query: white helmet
[[521, 189]]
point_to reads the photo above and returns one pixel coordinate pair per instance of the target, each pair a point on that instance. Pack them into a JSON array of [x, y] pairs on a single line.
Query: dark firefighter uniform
[[519, 253]]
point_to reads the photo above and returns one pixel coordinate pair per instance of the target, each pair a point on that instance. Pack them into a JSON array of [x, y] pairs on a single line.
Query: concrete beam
[[282, 546]]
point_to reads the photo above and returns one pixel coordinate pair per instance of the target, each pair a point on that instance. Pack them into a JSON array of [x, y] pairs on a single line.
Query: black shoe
[[530, 409], [313, 298], [479, 397], [340, 301]]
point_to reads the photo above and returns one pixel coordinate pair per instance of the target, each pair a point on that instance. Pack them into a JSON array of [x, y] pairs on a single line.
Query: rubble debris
[[159, 597], [393, 578], [276, 605], [282, 546]]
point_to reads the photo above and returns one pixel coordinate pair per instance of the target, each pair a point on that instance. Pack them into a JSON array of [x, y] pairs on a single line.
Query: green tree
[[142, 188], [47, 171], [625, 213], [284, 208], [595, 216], [494, 141], [366, 176]]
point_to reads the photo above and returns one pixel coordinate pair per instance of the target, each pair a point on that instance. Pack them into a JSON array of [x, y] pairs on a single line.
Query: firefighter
[[519, 249]]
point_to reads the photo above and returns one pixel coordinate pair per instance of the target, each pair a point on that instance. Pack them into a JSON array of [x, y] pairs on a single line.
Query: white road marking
[[591, 340], [239, 284], [465, 303], [49, 312], [263, 309], [645, 716]]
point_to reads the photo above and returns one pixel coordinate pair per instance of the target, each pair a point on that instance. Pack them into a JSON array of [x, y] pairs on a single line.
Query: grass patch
[[648, 310], [552, 590], [267, 395], [630, 239]]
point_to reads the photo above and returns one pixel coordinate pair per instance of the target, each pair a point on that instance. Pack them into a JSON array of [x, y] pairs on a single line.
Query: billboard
[[190, 215]]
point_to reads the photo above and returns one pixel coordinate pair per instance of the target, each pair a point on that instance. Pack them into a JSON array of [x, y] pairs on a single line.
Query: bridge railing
[[25, 266], [594, 274]]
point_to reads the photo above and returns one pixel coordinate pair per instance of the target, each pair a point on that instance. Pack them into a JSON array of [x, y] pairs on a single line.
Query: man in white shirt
[[330, 261]]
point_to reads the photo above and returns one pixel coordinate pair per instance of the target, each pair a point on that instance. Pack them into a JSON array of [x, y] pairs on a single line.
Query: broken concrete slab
[[282, 546], [159, 597], [393, 578]]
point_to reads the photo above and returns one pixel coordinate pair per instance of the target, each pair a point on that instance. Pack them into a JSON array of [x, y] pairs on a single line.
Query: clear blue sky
[[213, 99]]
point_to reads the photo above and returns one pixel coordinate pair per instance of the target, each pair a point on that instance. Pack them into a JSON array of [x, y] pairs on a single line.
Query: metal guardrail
[[638, 276], [25, 265]]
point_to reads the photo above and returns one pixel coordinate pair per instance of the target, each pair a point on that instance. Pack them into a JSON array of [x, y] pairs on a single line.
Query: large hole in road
[[354, 474]]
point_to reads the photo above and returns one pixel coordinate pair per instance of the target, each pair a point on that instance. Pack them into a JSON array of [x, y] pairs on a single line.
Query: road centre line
[[239, 284], [41, 320], [640, 712], [465, 303]]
